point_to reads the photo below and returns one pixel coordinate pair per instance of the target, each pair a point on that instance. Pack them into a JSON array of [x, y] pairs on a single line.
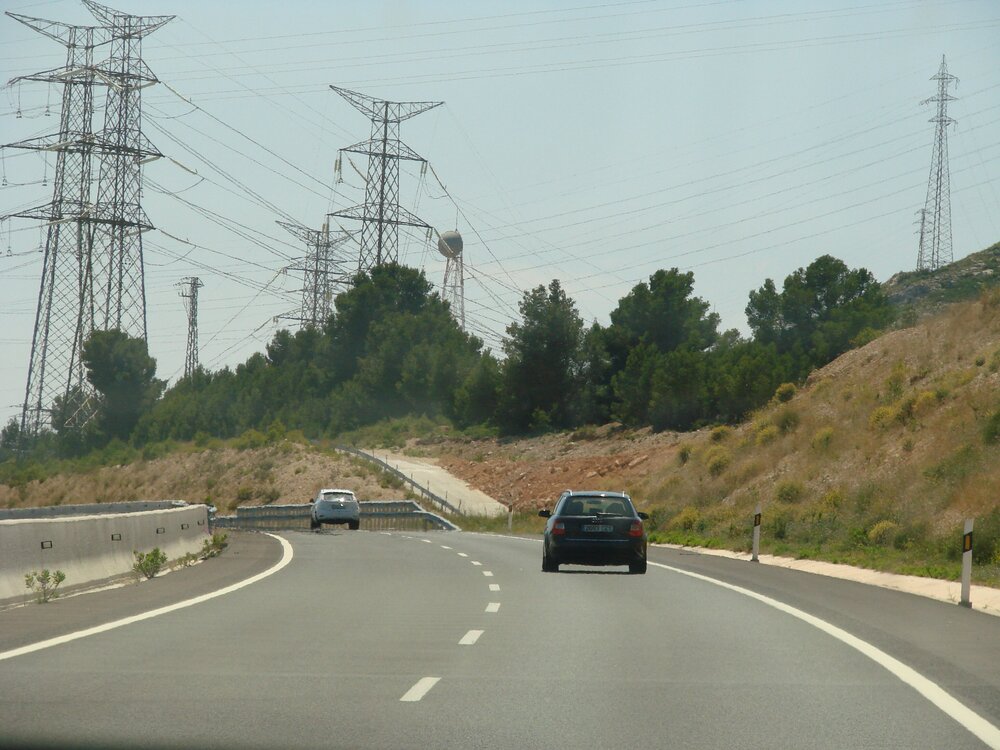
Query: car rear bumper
[[597, 552], [334, 516]]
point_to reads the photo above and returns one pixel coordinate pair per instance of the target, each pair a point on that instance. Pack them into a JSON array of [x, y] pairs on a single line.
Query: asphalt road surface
[[454, 640]]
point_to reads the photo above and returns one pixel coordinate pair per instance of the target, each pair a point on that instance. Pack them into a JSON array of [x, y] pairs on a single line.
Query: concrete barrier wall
[[89, 509], [89, 548]]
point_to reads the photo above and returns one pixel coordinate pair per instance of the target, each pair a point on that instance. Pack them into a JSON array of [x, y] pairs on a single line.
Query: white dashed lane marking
[[445, 546], [419, 690], [488, 573], [476, 562], [462, 554], [494, 587], [470, 638], [493, 607]]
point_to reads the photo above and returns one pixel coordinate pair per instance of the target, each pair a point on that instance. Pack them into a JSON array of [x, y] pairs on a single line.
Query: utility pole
[[120, 286], [935, 219], [189, 293], [380, 214], [57, 392], [323, 272]]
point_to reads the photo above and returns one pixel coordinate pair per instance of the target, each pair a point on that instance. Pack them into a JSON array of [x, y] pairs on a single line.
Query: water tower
[[453, 289]]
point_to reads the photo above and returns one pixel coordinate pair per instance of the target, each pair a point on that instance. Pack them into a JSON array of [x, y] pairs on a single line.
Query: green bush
[[822, 438], [244, 494], [986, 538], [717, 460], [683, 454], [767, 434], [787, 420], [44, 584], [720, 433], [687, 520], [882, 418], [249, 440], [784, 393], [148, 564], [789, 492], [991, 430], [213, 547], [882, 532]]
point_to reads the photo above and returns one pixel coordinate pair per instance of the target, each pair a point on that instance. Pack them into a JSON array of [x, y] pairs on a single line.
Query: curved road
[[453, 640]]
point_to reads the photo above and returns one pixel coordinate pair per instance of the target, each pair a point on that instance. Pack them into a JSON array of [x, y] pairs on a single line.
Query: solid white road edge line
[[286, 557], [470, 638], [958, 711], [419, 690], [493, 607]]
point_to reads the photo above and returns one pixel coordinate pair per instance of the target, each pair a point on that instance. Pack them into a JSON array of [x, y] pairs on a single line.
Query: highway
[[456, 640]]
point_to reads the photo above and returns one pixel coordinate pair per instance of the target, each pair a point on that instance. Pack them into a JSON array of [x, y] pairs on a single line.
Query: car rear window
[[585, 505], [337, 496]]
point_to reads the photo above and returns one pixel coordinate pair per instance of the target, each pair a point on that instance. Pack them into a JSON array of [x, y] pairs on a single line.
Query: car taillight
[[558, 528], [635, 529]]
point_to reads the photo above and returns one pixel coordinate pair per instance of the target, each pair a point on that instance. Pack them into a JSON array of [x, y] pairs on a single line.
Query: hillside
[[876, 460]]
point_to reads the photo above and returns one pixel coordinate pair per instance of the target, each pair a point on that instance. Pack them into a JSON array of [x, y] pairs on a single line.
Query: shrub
[[882, 418], [43, 585], [243, 494], [587, 432], [213, 546], [787, 420], [980, 361], [687, 519], [148, 564], [784, 393], [986, 538], [684, 454], [925, 403], [717, 460], [767, 435], [720, 433], [831, 501], [991, 430], [789, 492], [271, 494], [249, 440], [882, 531], [894, 383], [822, 438]]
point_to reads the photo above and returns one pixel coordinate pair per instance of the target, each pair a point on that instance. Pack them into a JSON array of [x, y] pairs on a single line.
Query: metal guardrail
[[434, 498], [376, 515]]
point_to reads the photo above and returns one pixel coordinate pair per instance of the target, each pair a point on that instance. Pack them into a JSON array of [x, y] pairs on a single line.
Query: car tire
[[354, 525], [314, 524], [637, 567], [548, 564]]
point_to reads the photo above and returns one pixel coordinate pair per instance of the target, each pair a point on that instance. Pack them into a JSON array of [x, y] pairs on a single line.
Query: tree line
[[393, 349]]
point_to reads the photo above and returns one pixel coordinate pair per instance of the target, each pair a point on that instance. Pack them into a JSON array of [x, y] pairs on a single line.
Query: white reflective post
[[510, 517], [967, 564], [756, 534]]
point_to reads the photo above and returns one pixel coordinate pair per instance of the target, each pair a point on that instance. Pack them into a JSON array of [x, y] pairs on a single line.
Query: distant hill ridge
[[924, 292]]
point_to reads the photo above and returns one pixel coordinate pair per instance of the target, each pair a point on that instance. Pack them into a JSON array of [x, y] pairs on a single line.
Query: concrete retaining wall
[[89, 548]]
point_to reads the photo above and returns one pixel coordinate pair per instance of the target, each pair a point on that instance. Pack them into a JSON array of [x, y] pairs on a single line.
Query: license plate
[[599, 527]]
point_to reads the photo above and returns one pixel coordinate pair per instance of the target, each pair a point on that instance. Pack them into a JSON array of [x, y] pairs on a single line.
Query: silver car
[[335, 506]]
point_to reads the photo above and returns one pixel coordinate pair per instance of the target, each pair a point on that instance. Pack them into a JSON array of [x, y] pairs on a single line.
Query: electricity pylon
[[381, 215], [189, 293], [119, 279], [323, 272], [935, 219], [57, 391]]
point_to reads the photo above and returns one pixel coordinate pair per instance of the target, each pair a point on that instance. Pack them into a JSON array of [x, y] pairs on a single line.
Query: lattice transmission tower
[[119, 278], [64, 317], [935, 217], [325, 270], [380, 215], [188, 290]]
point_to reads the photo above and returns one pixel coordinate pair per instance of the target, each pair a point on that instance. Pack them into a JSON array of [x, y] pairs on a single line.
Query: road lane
[[322, 653]]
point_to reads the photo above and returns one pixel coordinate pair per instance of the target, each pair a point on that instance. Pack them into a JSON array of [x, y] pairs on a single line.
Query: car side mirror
[[643, 516], [545, 513]]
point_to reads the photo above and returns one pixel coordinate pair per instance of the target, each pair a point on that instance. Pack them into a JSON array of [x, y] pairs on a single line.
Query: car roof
[[331, 491]]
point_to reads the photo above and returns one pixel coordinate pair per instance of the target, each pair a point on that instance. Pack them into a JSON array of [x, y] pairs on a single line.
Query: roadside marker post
[[510, 517], [967, 564], [756, 534]]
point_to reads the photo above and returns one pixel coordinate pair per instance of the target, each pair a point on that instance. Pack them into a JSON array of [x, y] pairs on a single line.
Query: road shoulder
[[247, 554]]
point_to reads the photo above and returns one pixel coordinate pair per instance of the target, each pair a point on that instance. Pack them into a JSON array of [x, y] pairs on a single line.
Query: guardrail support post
[[967, 564], [756, 534]]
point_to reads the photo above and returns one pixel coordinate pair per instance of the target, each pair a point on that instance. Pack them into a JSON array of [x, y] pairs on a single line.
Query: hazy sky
[[593, 142]]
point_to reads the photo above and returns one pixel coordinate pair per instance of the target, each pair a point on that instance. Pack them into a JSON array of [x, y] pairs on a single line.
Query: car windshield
[[595, 505]]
